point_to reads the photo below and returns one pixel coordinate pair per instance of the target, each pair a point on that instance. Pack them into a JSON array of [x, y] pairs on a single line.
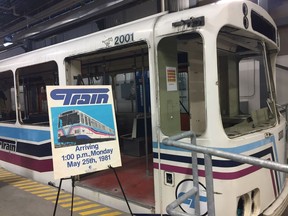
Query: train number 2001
[[123, 39]]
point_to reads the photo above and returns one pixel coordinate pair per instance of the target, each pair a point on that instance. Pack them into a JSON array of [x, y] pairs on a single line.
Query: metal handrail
[[171, 208], [208, 153]]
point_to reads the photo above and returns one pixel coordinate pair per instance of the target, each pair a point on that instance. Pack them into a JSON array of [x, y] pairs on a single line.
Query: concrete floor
[[14, 202], [25, 197]]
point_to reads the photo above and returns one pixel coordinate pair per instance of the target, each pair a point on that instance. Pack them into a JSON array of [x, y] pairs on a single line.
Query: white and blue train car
[[211, 70]]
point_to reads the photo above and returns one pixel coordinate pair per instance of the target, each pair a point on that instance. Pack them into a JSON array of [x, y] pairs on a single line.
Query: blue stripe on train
[[237, 150], [216, 163], [24, 134], [27, 136]]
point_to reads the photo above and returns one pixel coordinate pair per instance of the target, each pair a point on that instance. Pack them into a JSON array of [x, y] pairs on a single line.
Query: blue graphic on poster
[[79, 124]]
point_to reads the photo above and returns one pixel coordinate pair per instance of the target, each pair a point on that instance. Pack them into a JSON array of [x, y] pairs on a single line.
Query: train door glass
[[246, 90], [31, 92], [181, 84], [7, 97]]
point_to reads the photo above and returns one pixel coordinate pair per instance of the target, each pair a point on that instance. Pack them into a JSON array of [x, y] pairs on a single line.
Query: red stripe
[[216, 175], [29, 163]]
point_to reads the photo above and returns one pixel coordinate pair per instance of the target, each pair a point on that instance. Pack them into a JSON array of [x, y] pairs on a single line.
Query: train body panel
[[232, 180], [27, 151]]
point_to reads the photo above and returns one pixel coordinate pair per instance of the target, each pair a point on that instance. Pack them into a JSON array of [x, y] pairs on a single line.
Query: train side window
[[7, 98], [181, 84], [31, 92], [82, 118]]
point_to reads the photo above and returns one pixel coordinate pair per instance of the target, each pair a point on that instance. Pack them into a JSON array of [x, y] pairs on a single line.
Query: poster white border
[[83, 129]]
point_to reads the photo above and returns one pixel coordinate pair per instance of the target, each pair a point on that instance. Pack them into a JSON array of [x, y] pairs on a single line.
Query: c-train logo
[[81, 96], [188, 205], [8, 145]]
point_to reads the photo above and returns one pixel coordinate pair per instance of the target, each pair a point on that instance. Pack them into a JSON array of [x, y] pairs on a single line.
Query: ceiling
[[32, 19], [29, 19], [19, 15], [13, 12]]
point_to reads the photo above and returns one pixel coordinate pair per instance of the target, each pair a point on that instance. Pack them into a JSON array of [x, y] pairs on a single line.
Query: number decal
[[123, 39]]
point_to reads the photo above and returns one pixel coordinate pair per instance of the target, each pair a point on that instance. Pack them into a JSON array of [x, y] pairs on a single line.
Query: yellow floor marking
[[20, 184], [41, 191], [12, 180], [94, 211], [66, 200], [49, 194], [85, 207], [112, 213], [7, 174], [36, 189], [29, 186], [61, 196], [75, 203], [27, 181], [8, 177]]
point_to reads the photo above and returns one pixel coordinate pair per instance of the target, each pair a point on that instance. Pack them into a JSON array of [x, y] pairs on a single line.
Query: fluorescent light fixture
[[7, 41]]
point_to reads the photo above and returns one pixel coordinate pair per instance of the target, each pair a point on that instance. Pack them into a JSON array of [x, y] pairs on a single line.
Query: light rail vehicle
[[209, 69]]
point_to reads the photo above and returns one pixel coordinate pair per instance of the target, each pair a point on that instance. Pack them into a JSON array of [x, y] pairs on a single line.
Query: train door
[[126, 69], [181, 74]]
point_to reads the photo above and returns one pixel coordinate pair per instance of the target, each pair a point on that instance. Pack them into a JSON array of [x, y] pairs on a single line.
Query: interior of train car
[[126, 70], [30, 84]]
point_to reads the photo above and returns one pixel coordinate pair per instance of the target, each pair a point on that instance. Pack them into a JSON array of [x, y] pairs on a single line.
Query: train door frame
[[101, 67]]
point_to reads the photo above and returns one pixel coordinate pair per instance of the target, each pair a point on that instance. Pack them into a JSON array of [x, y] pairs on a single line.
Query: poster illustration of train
[[83, 129]]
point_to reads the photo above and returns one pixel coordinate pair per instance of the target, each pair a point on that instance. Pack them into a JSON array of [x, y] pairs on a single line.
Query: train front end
[[216, 77]]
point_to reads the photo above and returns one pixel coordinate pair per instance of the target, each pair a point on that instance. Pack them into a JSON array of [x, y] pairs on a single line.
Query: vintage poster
[[83, 129]]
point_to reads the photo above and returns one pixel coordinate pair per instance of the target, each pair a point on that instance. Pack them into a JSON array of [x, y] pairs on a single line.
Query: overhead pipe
[[50, 26], [87, 12], [10, 9]]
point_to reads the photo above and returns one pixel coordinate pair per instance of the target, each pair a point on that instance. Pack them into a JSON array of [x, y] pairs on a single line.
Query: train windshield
[[68, 119], [246, 87]]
